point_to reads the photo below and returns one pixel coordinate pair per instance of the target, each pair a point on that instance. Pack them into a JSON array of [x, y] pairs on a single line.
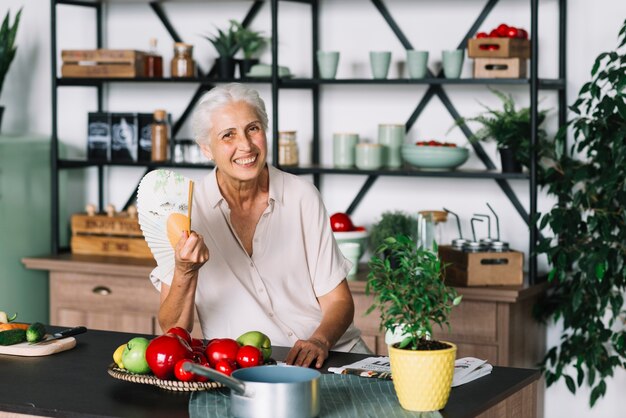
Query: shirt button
[[271, 315], [290, 334], [251, 264]]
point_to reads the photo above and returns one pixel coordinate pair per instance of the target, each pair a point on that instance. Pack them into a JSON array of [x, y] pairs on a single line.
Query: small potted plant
[[226, 45], [251, 42], [412, 296], [7, 48], [390, 225], [509, 127]]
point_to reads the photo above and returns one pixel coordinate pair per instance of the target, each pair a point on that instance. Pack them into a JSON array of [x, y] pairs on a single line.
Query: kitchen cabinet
[[436, 87], [106, 293]]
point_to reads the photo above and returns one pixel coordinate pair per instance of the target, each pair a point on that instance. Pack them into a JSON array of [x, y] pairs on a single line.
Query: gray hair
[[219, 97]]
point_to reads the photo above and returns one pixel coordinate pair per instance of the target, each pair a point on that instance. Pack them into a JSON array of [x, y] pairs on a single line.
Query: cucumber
[[12, 336], [35, 332]]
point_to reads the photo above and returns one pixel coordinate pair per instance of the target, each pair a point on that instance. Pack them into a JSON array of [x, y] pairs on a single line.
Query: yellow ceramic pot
[[422, 378]]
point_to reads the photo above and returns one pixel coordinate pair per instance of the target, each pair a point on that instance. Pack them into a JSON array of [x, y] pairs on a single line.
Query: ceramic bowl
[[359, 237], [434, 157], [265, 70]]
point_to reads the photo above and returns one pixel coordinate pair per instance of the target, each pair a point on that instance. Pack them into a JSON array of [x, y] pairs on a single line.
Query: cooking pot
[[268, 391]]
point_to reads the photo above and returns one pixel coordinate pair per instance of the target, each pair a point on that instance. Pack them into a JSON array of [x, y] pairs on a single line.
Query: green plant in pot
[[7, 48], [392, 223], [585, 241], [226, 45], [510, 128], [413, 297], [252, 43]]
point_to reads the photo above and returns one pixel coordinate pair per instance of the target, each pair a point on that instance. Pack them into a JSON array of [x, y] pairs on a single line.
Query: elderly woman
[[262, 255]]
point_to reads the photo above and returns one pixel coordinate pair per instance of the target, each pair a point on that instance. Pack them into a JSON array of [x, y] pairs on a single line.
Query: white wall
[[353, 28]]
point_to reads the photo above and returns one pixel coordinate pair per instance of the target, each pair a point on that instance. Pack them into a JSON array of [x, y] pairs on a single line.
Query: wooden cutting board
[[28, 350]]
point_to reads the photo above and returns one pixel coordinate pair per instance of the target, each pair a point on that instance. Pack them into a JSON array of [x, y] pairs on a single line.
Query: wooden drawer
[[104, 293], [472, 321]]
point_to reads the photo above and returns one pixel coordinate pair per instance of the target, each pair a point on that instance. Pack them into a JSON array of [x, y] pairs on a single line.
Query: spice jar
[[159, 136], [182, 62], [153, 62], [287, 148]]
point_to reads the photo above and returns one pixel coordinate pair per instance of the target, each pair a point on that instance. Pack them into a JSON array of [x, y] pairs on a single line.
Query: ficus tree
[[585, 233]]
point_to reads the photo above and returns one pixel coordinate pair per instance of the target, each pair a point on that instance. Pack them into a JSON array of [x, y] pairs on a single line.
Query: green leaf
[[570, 383]]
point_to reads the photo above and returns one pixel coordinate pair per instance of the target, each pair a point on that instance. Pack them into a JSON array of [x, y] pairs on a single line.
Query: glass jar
[[160, 136], [191, 152], [182, 62], [153, 62], [429, 228], [287, 148]]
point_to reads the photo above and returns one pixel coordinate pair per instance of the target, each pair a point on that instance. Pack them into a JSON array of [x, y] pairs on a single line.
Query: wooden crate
[[95, 63], [498, 48], [117, 235], [482, 269], [500, 68]]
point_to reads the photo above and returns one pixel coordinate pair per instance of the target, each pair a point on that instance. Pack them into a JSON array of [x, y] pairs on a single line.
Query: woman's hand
[[305, 352], [190, 253]]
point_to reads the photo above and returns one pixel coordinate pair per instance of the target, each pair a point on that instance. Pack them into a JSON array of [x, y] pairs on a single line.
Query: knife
[[62, 334]]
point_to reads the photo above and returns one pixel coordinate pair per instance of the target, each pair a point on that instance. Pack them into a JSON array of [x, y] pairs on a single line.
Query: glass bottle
[[153, 62], [182, 62], [159, 136], [287, 148]]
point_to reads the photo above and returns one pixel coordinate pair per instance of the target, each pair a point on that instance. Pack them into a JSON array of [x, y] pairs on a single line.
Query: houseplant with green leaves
[[252, 43], [510, 128], [585, 233], [408, 291], [226, 45], [8, 49], [392, 223]]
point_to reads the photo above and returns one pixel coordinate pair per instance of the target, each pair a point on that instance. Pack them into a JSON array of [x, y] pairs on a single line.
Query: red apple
[[221, 349], [164, 352]]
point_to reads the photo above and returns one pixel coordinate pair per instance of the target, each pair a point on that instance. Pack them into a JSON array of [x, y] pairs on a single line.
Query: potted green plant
[[252, 43], [509, 127], [392, 223], [413, 296], [7, 48], [585, 232], [226, 45]]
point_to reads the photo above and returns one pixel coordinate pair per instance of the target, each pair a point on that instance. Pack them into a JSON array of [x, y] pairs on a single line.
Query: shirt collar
[[276, 192]]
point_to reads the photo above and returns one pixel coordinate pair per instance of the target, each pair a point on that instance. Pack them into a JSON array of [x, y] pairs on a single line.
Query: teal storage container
[[25, 212]]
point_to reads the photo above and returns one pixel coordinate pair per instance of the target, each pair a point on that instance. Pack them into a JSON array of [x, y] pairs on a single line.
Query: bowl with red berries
[[434, 155]]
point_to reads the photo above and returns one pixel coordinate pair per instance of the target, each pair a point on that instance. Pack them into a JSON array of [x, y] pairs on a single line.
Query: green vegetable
[[35, 332], [5, 319], [12, 336]]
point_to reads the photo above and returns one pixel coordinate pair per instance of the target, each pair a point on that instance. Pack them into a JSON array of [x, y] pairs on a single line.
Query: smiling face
[[237, 141]]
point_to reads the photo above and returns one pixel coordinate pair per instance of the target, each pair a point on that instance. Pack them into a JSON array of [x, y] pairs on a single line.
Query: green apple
[[259, 340], [134, 356]]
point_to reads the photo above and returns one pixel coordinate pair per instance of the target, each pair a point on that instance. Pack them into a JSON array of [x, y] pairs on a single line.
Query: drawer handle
[[101, 290]]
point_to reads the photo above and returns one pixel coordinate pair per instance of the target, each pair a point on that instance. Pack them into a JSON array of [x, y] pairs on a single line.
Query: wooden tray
[[29, 350], [149, 379]]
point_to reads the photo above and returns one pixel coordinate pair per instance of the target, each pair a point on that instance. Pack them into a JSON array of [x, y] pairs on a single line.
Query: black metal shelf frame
[[435, 88]]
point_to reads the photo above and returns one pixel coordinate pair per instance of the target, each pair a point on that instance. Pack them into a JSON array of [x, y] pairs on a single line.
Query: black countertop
[[75, 383]]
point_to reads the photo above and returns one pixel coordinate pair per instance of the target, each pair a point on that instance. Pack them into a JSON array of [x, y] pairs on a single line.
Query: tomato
[[494, 34], [512, 32], [341, 222], [226, 366], [183, 375], [199, 357], [481, 35], [521, 33], [181, 332], [164, 352], [197, 343], [220, 349], [249, 356], [502, 30]]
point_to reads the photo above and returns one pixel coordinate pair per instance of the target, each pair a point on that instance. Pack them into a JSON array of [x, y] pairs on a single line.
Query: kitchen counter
[[75, 383]]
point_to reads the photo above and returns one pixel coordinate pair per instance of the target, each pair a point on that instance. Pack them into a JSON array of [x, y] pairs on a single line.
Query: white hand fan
[[164, 209]]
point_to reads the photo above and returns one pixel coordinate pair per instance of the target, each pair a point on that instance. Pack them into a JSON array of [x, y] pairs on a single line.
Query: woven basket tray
[[173, 385]]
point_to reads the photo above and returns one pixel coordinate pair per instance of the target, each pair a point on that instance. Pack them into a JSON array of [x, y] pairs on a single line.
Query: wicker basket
[[149, 379]]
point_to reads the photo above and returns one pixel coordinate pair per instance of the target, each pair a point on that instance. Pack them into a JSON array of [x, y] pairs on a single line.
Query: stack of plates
[[265, 70]]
